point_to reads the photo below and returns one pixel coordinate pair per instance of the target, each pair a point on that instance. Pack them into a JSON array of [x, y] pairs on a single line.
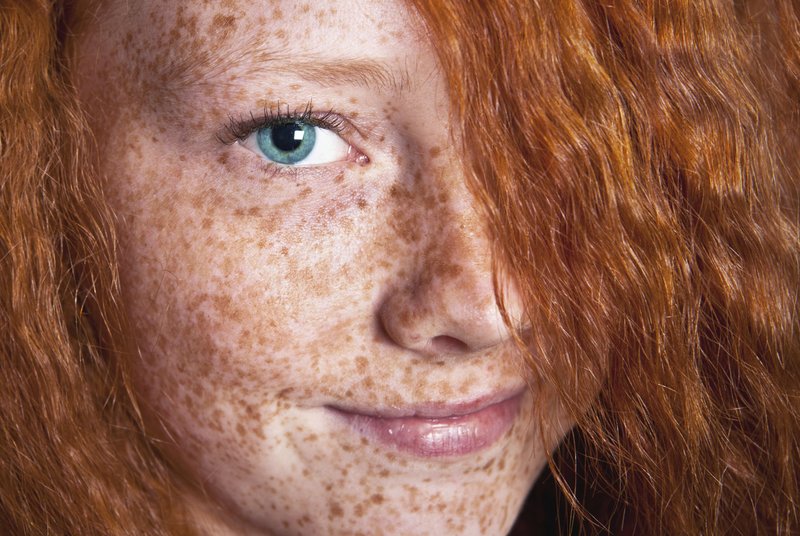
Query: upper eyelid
[[239, 129]]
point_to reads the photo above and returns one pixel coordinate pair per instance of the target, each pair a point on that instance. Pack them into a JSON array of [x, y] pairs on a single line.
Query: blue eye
[[287, 143], [297, 143]]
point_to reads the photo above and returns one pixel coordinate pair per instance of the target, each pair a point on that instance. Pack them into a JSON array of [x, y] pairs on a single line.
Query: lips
[[438, 430]]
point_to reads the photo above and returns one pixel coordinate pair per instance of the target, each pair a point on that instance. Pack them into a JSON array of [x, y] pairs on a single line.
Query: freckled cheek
[[214, 297], [226, 286], [193, 313]]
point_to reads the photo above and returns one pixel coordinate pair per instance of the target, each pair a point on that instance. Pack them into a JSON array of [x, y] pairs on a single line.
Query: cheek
[[226, 290]]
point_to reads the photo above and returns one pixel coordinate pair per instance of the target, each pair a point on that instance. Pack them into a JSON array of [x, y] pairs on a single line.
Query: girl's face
[[308, 277]]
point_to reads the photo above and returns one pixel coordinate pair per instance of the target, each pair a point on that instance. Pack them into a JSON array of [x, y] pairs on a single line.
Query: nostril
[[444, 344]]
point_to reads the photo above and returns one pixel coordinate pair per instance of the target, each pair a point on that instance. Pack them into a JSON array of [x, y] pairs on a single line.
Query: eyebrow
[[197, 68], [355, 71]]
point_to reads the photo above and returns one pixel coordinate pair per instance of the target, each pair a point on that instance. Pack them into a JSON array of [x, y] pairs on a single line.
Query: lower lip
[[432, 437]]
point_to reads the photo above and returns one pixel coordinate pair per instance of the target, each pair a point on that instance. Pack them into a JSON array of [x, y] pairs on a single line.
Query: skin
[[261, 295]]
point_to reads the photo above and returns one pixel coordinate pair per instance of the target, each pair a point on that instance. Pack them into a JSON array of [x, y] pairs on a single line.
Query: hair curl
[[73, 457], [637, 162], [638, 165]]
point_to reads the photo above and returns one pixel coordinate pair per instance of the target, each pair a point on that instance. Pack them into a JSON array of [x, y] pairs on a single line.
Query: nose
[[446, 305]]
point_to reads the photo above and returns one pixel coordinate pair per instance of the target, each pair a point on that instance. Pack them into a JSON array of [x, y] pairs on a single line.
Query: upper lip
[[432, 410]]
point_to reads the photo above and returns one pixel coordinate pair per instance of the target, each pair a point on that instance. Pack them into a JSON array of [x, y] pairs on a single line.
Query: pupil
[[283, 136]]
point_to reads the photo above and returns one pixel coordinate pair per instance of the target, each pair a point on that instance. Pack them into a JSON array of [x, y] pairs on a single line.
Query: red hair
[[73, 457], [637, 163]]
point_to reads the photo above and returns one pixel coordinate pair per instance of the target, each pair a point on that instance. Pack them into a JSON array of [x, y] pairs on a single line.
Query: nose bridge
[[456, 250], [455, 267], [464, 252]]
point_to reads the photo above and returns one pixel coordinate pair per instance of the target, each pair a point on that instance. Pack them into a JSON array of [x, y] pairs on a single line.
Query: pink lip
[[439, 430]]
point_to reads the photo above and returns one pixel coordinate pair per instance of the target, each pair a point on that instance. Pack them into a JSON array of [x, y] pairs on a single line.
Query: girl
[[277, 268]]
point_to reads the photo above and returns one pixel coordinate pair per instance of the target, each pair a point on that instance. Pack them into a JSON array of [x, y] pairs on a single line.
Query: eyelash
[[239, 129]]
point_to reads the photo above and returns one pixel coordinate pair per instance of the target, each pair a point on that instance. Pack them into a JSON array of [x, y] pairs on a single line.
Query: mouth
[[438, 430]]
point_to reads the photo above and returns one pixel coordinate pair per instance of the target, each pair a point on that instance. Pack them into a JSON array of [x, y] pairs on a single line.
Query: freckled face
[[303, 328]]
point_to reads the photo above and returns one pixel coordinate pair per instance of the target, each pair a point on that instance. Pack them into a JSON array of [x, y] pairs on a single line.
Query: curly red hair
[[637, 163], [73, 457], [645, 196]]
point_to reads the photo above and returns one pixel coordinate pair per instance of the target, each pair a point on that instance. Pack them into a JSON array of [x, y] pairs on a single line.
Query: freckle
[[336, 510], [222, 159], [305, 192], [339, 178], [294, 87], [223, 24], [281, 34], [277, 14], [435, 150]]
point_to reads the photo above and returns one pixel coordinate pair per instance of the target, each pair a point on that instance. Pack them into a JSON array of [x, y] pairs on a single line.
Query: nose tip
[[445, 316]]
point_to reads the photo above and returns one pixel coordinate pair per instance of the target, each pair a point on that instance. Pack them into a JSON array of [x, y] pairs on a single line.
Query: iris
[[287, 143]]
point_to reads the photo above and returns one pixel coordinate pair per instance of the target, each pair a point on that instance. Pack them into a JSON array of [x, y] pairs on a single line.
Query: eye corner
[[360, 159]]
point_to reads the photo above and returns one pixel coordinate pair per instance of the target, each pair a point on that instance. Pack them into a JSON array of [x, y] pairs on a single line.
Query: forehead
[[174, 51], [233, 29]]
